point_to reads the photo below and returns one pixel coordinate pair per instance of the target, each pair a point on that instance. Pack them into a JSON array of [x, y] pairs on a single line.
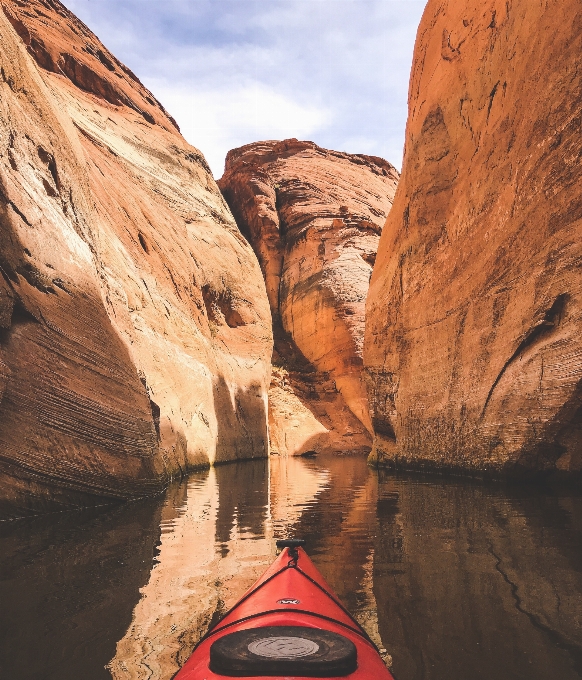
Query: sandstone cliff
[[313, 217], [136, 333], [473, 340]]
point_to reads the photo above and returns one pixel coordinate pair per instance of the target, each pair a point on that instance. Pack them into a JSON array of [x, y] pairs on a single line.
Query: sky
[[232, 72]]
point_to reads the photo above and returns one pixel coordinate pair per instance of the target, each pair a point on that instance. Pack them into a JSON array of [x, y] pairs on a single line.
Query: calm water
[[457, 580]]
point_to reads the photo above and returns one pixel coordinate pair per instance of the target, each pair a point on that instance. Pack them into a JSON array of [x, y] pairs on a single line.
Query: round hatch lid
[[283, 650]]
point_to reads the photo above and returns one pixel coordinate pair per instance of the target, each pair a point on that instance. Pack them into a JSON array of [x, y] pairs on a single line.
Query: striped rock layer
[[135, 333]]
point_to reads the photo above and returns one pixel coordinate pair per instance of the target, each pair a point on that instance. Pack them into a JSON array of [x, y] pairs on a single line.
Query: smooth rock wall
[[313, 217], [136, 333], [473, 343]]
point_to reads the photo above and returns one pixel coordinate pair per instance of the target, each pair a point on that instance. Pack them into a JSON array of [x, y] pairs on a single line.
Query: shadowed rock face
[[314, 218], [135, 333], [473, 341]]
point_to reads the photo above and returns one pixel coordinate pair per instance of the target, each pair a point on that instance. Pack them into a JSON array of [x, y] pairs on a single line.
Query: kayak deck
[[322, 636]]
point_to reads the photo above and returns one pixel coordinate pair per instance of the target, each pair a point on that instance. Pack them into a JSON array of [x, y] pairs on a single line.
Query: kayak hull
[[290, 593]]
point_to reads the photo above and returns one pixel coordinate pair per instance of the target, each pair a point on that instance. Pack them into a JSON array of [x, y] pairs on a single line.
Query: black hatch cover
[[283, 650]]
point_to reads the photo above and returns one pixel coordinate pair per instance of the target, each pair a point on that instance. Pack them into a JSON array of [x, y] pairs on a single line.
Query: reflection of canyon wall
[[331, 503], [177, 603], [68, 585], [313, 217], [294, 485], [218, 537], [134, 327], [204, 565], [478, 583], [473, 340]]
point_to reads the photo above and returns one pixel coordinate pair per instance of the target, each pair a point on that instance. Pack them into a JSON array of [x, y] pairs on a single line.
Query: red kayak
[[290, 626]]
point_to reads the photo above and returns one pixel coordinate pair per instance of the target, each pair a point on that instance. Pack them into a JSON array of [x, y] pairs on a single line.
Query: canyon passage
[[191, 369], [140, 299]]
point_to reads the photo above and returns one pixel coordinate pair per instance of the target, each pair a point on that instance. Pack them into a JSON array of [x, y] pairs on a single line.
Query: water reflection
[[68, 584], [212, 548], [243, 506], [478, 581], [456, 579]]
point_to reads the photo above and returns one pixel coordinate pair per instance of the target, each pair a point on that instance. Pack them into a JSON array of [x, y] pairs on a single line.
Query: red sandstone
[[136, 337], [314, 218], [473, 340]]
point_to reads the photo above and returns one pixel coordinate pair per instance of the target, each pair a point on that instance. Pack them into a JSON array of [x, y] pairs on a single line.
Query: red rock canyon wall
[[473, 341], [314, 218], [135, 335]]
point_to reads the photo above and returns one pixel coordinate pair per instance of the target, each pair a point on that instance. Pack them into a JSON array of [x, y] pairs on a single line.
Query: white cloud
[[218, 120], [237, 71]]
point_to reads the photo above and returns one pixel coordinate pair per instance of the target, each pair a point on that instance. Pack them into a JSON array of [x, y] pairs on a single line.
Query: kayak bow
[[289, 625]]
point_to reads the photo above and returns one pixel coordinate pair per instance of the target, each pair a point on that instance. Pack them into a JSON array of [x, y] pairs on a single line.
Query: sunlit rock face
[[473, 341], [313, 217], [136, 333]]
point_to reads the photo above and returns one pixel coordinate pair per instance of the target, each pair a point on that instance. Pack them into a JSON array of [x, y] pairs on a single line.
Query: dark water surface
[[458, 580]]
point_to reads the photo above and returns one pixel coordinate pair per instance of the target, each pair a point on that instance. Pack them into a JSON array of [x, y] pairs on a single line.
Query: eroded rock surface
[[313, 217], [136, 334], [473, 340]]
